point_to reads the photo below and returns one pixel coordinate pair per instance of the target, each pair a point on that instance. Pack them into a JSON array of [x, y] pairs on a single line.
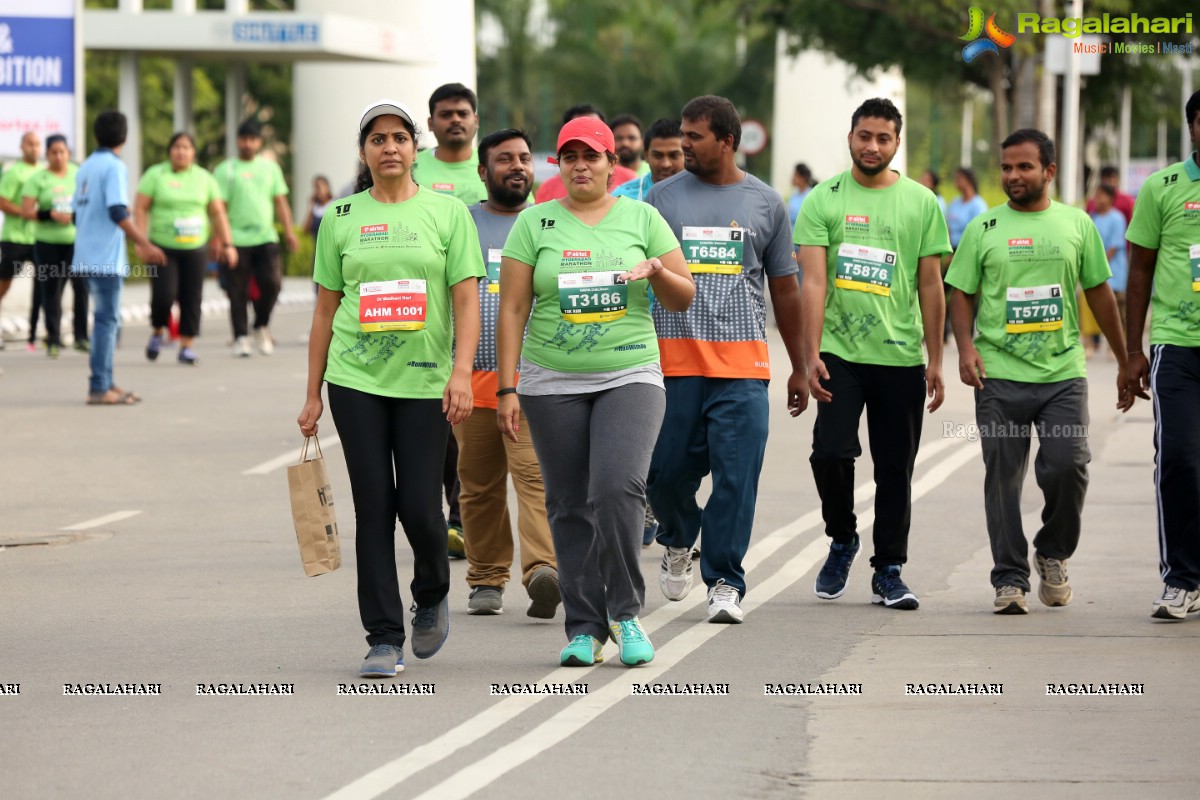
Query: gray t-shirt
[[493, 230], [733, 237]]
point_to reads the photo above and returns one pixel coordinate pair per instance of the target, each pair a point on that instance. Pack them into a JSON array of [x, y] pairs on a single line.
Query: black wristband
[[507, 390], [43, 215]]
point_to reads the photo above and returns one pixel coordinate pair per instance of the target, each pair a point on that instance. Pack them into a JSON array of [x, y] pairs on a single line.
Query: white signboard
[[40, 72]]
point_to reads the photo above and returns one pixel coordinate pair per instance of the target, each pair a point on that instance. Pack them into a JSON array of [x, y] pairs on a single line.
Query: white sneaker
[[675, 576], [1175, 603], [241, 347], [264, 342], [724, 605]]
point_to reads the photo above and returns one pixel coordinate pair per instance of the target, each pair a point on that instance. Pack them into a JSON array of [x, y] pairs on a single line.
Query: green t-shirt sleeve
[[966, 271], [278, 184], [148, 182], [1145, 229], [327, 266], [520, 244], [31, 187], [1094, 270], [810, 225], [935, 239], [464, 259], [211, 190], [10, 185], [659, 237]]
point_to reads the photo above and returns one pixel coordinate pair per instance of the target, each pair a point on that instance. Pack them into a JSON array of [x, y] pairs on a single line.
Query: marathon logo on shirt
[[369, 234], [576, 259], [1191, 210], [858, 223], [1020, 247], [444, 187]]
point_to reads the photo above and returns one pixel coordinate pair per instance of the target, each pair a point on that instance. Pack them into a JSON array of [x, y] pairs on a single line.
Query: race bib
[[714, 250], [1033, 308], [62, 203], [592, 296], [189, 230], [392, 306], [865, 269], [1194, 256], [493, 270]]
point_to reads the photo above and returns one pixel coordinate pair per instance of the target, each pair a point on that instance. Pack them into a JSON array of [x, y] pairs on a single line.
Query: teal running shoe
[[582, 651], [635, 645]]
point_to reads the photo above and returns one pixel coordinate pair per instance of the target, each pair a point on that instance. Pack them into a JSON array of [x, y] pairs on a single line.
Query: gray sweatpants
[[1008, 413], [594, 451]]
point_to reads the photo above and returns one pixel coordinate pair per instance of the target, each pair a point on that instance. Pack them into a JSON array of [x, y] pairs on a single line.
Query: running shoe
[[543, 592], [241, 347], [384, 661], [1175, 603], [153, 347], [264, 342], [1010, 600], [888, 589], [486, 601], [456, 544], [1054, 590], [675, 574], [53, 350], [651, 529], [831, 580], [431, 626], [635, 645], [583, 651], [188, 356], [724, 604], [83, 345]]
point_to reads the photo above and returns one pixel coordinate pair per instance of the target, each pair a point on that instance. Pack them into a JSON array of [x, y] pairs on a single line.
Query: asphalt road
[[183, 570]]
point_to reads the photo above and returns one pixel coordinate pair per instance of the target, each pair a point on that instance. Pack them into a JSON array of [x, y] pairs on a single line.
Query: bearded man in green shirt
[[1024, 260]]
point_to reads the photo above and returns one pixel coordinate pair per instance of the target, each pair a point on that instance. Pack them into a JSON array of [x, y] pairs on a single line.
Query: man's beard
[[506, 196]]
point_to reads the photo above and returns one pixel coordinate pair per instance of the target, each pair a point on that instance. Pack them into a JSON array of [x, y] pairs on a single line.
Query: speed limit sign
[[754, 137]]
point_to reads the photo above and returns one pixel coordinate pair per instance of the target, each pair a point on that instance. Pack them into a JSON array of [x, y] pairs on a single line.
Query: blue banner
[[37, 55]]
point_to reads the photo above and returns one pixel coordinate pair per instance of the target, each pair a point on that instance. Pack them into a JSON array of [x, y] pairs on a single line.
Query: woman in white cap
[[391, 260], [591, 386]]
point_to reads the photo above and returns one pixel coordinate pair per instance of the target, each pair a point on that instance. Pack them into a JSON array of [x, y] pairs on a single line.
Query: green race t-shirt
[[458, 178], [1025, 267], [874, 239], [179, 205], [1166, 218], [53, 193], [585, 319], [395, 264], [249, 189], [16, 230]]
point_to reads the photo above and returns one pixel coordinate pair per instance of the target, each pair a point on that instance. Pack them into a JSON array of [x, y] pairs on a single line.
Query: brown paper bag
[[312, 513]]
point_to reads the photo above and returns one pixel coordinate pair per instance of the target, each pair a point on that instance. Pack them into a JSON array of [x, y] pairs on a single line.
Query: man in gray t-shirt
[[736, 239], [485, 456]]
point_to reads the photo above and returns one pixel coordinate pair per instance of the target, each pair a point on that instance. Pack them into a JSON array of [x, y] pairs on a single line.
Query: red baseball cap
[[592, 132]]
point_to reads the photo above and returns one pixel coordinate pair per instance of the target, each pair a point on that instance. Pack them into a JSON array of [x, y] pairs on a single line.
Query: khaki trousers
[[485, 460]]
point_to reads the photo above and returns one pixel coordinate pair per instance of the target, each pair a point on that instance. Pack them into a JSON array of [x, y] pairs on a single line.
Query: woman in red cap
[[591, 386], [390, 261]]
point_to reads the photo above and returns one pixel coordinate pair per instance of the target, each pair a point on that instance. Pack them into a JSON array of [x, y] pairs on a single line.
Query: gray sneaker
[[486, 600], [384, 661], [543, 591], [1054, 590], [431, 626]]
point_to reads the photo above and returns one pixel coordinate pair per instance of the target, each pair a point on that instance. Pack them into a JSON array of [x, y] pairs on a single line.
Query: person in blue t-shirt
[[664, 156], [1111, 224], [964, 208], [102, 221]]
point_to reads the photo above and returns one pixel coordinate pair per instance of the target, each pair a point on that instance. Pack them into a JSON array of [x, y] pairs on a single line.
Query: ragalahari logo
[[996, 38]]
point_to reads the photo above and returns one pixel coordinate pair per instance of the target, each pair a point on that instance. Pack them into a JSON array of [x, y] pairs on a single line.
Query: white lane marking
[[478, 775], [290, 457], [395, 772], [116, 516]]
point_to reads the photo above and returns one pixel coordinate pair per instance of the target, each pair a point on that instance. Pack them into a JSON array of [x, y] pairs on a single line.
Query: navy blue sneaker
[[831, 580], [888, 589], [651, 529]]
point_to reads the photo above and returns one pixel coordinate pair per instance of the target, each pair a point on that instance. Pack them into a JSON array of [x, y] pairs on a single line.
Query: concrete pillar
[[968, 131], [183, 96], [235, 88], [1126, 126], [129, 103], [1069, 161], [329, 98]]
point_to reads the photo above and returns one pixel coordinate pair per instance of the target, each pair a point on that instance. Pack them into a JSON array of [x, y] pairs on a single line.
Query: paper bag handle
[[304, 448]]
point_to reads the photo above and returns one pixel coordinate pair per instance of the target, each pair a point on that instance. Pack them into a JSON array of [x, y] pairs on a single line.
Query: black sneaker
[[888, 589], [431, 626], [831, 580]]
